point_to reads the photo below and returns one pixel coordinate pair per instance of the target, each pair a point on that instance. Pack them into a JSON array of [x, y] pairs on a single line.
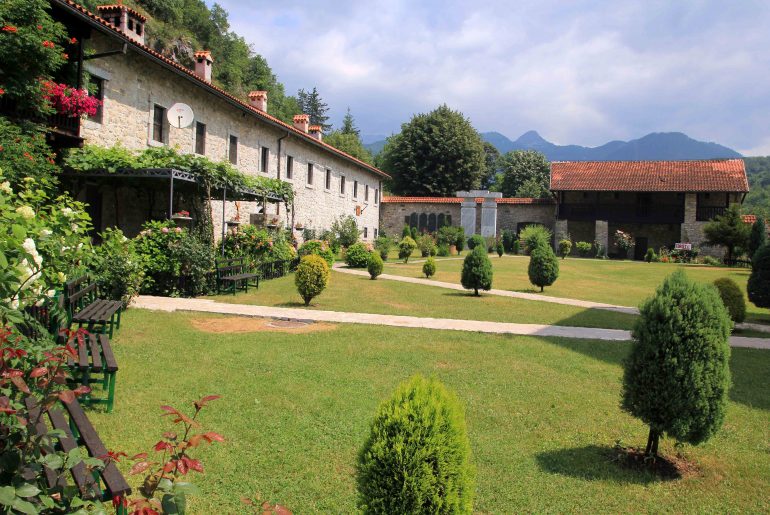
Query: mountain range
[[654, 146]]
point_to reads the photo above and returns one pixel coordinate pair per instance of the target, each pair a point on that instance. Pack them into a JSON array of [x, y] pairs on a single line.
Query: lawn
[[542, 415], [360, 294], [625, 283]]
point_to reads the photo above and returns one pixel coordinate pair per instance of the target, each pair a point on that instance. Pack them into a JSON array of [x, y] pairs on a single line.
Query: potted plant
[[181, 215]]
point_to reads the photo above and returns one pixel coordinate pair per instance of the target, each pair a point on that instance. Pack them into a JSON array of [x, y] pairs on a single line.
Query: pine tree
[[312, 104], [543, 266], [729, 230], [349, 125], [477, 270], [757, 237], [759, 281]]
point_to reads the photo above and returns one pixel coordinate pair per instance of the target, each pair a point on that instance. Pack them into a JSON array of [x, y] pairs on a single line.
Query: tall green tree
[[312, 104], [438, 153], [349, 125], [523, 172], [677, 375], [491, 168], [350, 144], [728, 230], [758, 236], [758, 286]]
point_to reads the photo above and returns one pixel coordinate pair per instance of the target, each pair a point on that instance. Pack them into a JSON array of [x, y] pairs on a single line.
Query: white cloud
[[579, 72]]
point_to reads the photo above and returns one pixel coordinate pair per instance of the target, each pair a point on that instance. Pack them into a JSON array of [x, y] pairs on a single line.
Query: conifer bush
[[477, 271], [477, 240], [757, 237], [508, 238], [417, 457], [500, 248], [543, 267], [535, 236], [375, 265], [405, 248], [650, 256], [406, 232], [311, 277], [677, 375], [565, 247], [429, 267], [759, 280], [732, 297]]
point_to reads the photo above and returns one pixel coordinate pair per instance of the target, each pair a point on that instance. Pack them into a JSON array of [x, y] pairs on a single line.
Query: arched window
[[423, 222], [413, 220], [449, 220], [440, 221], [432, 222]]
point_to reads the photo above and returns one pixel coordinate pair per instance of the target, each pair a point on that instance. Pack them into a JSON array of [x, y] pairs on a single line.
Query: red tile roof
[[121, 7], [110, 29], [457, 200], [680, 176]]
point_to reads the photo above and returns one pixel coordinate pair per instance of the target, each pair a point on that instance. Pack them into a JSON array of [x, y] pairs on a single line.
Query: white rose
[[61, 277], [37, 259], [75, 227], [50, 293], [26, 212], [5, 187], [66, 211], [45, 233], [29, 246]]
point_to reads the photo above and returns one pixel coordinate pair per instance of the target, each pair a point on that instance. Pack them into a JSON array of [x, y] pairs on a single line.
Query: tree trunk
[[476, 290], [652, 443], [541, 289]]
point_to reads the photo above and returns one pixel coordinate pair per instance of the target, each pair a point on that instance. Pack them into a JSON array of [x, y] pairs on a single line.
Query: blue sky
[[581, 71]]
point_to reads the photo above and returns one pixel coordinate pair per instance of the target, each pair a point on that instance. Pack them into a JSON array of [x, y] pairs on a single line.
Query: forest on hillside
[[758, 200], [177, 28]]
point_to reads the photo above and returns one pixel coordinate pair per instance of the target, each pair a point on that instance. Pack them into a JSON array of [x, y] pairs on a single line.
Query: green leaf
[[169, 504], [182, 487], [165, 485], [53, 461], [7, 495], [27, 490], [47, 502], [18, 232], [3, 261], [24, 506]]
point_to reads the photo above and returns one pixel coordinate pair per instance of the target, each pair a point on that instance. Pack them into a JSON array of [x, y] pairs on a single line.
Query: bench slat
[[96, 355], [109, 357], [41, 429], [84, 481], [113, 480], [83, 361]]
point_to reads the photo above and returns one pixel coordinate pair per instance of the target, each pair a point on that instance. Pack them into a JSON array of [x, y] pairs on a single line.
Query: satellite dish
[[180, 115]]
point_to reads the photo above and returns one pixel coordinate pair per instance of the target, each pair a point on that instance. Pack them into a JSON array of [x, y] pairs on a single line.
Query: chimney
[[125, 19], [258, 99], [315, 131], [301, 122], [203, 62]]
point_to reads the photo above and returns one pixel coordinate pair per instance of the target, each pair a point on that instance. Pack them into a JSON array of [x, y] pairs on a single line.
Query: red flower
[[2, 92], [10, 28], [65, 56], [29, 156], [73, 40], [39, 27], [48, 44]]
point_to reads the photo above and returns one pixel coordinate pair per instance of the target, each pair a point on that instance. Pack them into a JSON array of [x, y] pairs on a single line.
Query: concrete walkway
[[501, 293], [224, 308]]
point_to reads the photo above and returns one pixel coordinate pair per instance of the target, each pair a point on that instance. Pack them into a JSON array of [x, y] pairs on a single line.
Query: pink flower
[[164, 230], [178, 230]]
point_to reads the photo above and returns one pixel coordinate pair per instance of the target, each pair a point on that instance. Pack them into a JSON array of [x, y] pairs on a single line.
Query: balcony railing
[[641, 213], [706, 213], [58, 123]]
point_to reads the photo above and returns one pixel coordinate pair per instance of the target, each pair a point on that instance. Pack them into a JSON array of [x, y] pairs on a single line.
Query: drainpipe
[[278, 176]]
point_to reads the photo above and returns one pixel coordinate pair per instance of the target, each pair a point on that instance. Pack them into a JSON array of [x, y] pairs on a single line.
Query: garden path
[[225, 308]]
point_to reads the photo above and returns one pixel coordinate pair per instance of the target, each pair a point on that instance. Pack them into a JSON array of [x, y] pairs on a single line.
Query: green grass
[[625, 283], [360, 294], [542, 415]]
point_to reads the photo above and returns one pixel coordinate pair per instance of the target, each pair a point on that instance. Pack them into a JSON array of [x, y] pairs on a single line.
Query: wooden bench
[[108, 485], [233, 274], [84, 307], [95, 357]]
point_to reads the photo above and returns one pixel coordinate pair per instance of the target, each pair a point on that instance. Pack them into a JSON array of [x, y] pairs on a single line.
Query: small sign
[[683, 246], [358, 210]]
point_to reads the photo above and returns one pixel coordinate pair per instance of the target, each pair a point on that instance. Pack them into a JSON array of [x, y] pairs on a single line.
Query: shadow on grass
[[749, 368], [592, 463]]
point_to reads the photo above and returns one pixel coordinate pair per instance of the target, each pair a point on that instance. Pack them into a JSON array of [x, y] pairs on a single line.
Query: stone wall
[[657, 235], [134, 85], [515, 216], [395, 214]]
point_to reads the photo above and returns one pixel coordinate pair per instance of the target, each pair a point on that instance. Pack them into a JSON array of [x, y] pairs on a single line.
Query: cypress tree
[[543, 266], [757, 237], [759, 280], [477, 270]]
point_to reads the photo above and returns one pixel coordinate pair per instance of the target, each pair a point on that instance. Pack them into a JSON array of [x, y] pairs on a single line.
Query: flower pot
[[452, 250]]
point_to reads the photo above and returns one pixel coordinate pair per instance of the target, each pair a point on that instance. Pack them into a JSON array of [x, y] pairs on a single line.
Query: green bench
[[85, 308], [233, 275]]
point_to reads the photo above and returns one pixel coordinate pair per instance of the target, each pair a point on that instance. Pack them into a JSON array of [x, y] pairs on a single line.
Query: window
[[265, 159], [342, 185], [366, 194], [376, 195], [99, 94], [158, 124], [375, 233], [130, 24], [138, 29], [328, 183], [366, 232], [289, 167], [355, 189], [310, 173], [200, 138], [232, 153]]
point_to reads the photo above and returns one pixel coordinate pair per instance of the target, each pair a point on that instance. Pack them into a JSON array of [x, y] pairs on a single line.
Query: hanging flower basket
[[181, 215], [70, 101]]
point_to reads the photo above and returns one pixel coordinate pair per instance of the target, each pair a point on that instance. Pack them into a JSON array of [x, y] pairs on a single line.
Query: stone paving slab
[[224, 308]]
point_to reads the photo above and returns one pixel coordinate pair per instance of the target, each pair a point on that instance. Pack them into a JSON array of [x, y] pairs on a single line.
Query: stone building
[[138, 87], [659, 203]]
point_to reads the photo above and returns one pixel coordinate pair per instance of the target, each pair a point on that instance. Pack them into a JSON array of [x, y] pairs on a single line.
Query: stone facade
[[394, 215], [134, 85]]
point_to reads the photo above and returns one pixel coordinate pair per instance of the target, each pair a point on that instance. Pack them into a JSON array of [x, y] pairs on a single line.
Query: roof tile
[[680, 176]]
